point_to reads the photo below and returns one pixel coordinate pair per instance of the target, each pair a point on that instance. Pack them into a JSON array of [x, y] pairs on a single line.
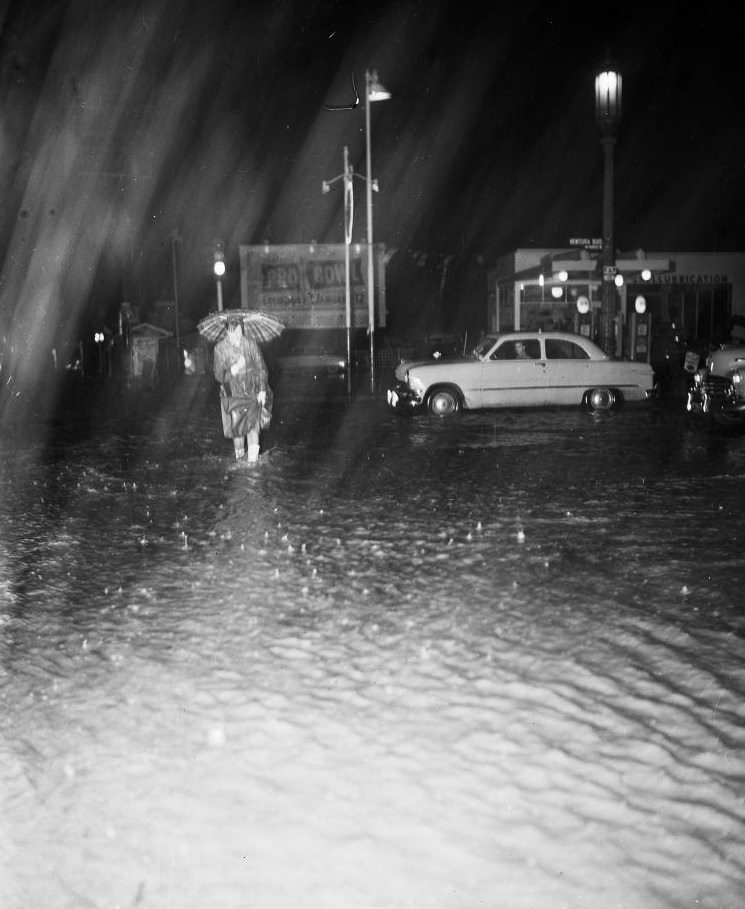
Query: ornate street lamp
[[608, 116], [374, 91]]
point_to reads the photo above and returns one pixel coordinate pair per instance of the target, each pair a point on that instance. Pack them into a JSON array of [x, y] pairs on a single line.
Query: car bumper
[[701, 401], [403, 399]]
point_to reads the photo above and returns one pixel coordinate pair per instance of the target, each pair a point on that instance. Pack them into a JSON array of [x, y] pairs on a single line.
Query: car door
[[514, 374], [568, 368]]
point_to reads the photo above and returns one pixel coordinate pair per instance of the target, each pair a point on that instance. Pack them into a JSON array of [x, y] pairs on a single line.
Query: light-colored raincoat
[[241, 411]]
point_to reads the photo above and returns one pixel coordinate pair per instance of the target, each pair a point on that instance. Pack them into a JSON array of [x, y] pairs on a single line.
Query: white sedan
[[522, 369]]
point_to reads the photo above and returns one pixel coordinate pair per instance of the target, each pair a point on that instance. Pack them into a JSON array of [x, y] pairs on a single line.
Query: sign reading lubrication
[[305, 286]]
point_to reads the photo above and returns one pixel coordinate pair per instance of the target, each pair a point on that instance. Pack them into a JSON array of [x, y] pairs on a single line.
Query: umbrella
[[259, 325]]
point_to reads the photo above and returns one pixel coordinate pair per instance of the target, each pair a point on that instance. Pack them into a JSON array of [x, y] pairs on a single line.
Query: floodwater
[[401, 663]]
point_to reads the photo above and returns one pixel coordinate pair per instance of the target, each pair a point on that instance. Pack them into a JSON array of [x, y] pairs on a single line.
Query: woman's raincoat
[[240, 408]]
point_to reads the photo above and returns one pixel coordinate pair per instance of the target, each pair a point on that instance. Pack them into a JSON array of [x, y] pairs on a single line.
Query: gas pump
[[640, 332], [584, 318]]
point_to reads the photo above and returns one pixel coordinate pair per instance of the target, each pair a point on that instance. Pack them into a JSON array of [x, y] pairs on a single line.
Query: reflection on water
[[401, 663]]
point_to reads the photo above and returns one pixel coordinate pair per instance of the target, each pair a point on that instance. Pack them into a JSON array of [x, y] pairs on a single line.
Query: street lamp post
[[374, 91], [100, 338], [175, 238], [219, 269], [608, 116], [347, 176]]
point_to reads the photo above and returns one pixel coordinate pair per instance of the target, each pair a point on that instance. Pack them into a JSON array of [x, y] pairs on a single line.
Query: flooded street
[[399, 664]]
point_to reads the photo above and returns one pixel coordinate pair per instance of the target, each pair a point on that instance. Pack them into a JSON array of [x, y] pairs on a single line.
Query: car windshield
[[484, 346]]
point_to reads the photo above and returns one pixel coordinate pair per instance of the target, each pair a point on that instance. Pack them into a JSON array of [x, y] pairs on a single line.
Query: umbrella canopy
[[259, 325]]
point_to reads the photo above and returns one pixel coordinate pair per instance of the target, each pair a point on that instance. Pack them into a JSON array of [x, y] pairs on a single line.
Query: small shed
[[145, 340]]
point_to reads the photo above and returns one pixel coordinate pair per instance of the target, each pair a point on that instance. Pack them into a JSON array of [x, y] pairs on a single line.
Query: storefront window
[[699, 314], [705, 313], [721, 314], [690, 316], [547, 316]]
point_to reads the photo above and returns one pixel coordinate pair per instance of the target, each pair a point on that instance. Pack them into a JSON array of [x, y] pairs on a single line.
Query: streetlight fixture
[[608, 116], [374, 91]]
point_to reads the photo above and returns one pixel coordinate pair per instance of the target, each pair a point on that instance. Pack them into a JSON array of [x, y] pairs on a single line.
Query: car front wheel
[[443, 402]]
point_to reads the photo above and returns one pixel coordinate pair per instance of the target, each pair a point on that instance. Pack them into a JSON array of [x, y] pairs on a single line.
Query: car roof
[[586, 343], [516, 335]]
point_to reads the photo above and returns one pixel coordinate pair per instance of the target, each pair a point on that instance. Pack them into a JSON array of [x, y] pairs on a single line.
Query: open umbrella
[[259, 325]]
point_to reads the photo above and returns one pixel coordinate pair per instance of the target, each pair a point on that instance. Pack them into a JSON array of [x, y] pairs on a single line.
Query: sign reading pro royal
[[304, 286]]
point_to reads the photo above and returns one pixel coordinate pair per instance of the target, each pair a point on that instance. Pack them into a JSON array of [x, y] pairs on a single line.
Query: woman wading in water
[[245, 396]]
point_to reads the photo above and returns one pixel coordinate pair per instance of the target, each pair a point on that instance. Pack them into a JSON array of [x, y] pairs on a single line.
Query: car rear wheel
[[443, 402], [601, 399]]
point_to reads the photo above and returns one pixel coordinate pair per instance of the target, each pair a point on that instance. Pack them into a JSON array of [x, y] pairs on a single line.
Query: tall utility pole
[[174, 240], [608, 116]]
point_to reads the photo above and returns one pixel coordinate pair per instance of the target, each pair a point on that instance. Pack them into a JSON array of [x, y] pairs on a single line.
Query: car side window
[[564, 350], [527, 349]]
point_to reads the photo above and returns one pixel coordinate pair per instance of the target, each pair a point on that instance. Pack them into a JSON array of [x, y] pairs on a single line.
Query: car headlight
[[738, 382], [415, 384]]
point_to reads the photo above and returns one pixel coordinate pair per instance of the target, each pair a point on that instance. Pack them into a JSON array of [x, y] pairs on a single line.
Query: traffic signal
[[219, 266]]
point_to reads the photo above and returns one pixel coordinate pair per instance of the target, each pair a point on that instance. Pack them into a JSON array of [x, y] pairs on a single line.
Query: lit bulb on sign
[[583, 305], [219, 268], [640, 304]]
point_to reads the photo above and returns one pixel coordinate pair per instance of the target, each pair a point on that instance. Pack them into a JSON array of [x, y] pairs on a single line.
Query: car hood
[[723, 361], [405, 365]]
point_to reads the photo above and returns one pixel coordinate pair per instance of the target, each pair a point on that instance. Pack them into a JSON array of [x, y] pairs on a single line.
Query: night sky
[[124, 123]]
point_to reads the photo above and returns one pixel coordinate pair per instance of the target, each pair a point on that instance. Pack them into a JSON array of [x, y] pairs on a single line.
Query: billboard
[[304, 286]]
